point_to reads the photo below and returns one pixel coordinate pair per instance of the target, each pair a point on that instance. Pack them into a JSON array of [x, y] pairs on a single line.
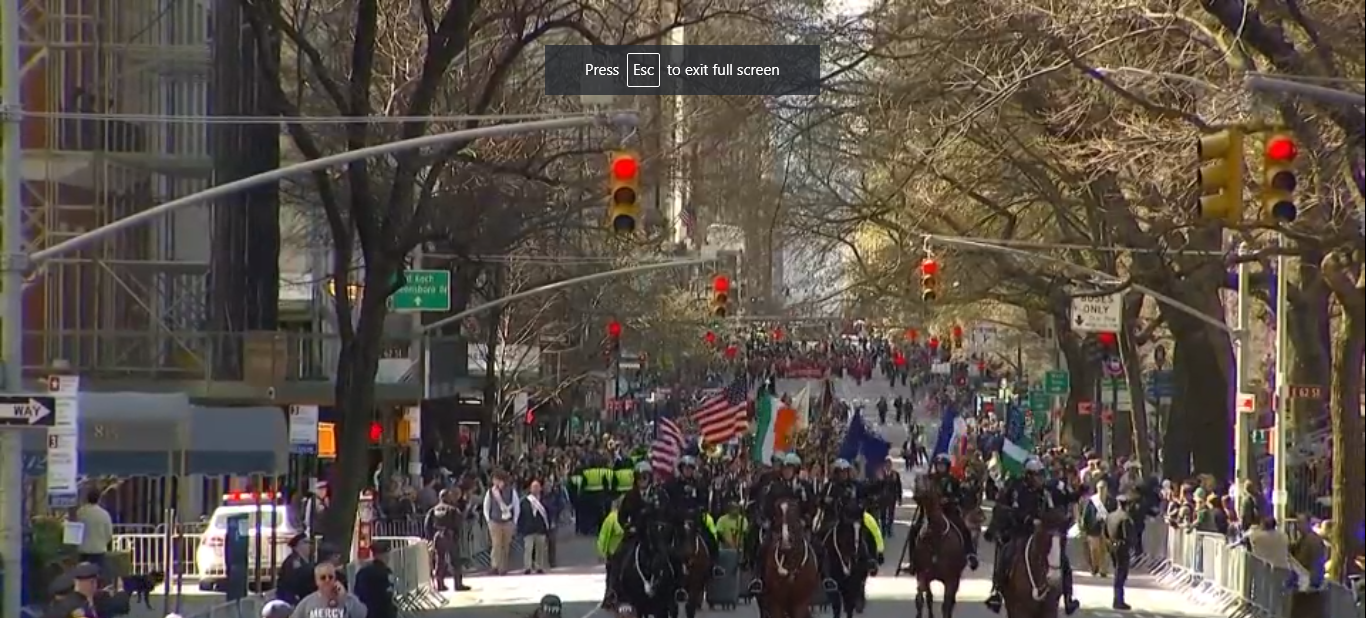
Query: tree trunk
[[1136, 422], [492, 401], [1347, 440], [354, 396], [1077, 429], [1177, 446]]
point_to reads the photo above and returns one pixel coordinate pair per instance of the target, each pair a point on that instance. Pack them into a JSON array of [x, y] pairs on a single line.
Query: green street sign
[[1039, 401], [1056, 382], [424, 290]]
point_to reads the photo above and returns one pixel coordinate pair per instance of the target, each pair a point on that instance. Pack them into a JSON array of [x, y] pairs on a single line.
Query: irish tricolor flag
[[774, 427]]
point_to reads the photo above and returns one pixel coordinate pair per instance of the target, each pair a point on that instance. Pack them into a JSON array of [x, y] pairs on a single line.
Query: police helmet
[[841, 464], [643, 467], [792, 460], [688, 460], [943, 458], [1034, 465]]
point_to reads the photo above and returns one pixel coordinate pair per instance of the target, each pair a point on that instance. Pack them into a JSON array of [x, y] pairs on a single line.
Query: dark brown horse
[[697, 564], [939, 553], [1034, 578], [789, 565]]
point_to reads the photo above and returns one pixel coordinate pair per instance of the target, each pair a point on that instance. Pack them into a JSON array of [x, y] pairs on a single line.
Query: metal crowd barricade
[[248, 607], [1242, 585], [410, 561]]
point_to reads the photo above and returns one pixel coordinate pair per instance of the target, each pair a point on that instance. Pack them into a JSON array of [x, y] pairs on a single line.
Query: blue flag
[[861, 443], [947, 430]]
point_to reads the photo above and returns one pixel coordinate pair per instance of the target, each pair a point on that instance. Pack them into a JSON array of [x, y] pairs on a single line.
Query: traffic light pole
[[16, 262]]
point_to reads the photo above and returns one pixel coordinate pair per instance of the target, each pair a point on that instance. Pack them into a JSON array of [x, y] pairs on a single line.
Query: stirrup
[[756, 586], [681, 595], [828, 584]]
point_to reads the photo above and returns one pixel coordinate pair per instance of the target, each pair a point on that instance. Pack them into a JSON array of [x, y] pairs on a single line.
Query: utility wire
[[311, 120], [1026, 244]]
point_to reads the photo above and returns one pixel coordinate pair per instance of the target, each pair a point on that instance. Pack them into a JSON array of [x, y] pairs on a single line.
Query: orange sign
[[327, 441]]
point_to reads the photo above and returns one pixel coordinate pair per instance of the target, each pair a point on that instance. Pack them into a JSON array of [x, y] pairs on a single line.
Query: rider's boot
[[994, 601], [1066, 577], [610, 583], [971, 551]]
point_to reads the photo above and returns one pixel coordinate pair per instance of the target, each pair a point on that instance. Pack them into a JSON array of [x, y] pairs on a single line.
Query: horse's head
[[926, 494], [1045, 539], [788, 522]]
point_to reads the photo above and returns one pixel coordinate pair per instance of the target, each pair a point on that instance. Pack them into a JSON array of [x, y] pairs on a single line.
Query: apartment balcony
[[279, 367]]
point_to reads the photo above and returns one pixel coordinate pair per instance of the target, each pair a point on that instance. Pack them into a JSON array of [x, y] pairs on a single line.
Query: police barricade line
[[148, 553], [410, 562], [1209, 570], [399, 527], [246, 607]]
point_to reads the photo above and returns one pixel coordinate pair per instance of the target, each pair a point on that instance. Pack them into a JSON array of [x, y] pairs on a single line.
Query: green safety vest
[[623, 478], [593, 479], [576, 482]]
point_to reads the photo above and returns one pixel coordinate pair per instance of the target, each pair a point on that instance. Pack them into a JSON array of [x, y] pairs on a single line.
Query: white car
[[267, 521]]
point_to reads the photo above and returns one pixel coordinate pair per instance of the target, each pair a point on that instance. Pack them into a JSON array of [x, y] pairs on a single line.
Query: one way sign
[[28, 411]]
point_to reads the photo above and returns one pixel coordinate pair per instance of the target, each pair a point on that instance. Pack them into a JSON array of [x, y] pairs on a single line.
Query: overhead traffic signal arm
[[1220, 176]]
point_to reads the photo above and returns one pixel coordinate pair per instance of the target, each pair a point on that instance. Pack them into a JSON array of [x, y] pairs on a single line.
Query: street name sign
[[423, 290], [1057, 382], [28, 411], [1096, 314]]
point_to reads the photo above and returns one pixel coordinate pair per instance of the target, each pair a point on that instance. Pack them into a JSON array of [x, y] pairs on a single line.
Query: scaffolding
[[146, 57]]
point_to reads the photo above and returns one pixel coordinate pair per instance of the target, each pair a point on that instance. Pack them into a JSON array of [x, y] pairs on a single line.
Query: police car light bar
[[248, 496]]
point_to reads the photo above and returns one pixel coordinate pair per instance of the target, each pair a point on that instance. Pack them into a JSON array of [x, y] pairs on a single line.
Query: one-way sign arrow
[[28, 411]]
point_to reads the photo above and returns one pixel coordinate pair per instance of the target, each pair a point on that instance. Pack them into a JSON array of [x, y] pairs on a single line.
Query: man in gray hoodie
[[331, 600]]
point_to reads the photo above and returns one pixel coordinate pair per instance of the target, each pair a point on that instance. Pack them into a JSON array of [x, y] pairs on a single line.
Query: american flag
[[669, 443], [689, 220], [723, 417]]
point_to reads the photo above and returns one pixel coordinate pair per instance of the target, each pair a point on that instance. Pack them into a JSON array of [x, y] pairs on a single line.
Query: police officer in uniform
[[597, 496], [623, 476], [442, 524], [75, 593], [1119, 528], [574, 485]]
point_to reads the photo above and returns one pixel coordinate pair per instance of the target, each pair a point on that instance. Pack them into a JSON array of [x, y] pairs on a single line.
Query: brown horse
[[1034, 579], [789, 564], [697, 564], [939, 553]]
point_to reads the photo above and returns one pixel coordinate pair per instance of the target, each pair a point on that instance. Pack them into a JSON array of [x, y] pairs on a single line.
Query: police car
[[267, 518]]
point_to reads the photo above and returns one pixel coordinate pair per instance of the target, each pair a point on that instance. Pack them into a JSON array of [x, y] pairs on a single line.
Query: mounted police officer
[[645, 501], [952, 499], [844, 496], [786, 485], [687, 495], [1019, 504]]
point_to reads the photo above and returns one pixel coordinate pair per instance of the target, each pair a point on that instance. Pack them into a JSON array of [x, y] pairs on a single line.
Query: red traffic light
[[957, 332], [710, 337], [1106, 339], [1281, 149], [912, 334], [730, 352], [530, 417], [721, 284], [933, 343], [376, 432], [624, 168], [615, 329], [929, 267]]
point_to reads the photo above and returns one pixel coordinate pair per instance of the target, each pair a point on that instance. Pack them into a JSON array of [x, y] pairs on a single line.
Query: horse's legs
[[923, 590], [948, 603]]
